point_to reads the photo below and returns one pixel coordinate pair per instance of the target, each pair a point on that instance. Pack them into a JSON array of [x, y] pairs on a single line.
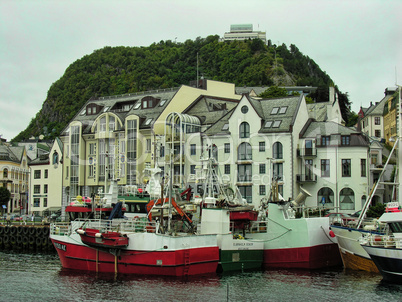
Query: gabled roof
[[210, 109], [13, 154], [378, 108]]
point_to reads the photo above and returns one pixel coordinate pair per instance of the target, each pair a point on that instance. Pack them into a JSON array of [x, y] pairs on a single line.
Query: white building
[[241, 32]]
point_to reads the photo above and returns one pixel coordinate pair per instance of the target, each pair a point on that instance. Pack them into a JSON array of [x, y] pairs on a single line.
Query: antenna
[[197, 69], [396, 77]]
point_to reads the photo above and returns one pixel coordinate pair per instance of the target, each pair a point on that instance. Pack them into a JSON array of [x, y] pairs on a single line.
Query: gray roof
[[109, 103], [278, 121], [210, 109], [327, 128], [378, 108], [318, 111], [13, 154]]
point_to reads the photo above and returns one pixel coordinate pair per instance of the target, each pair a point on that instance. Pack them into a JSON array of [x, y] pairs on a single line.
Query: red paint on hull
[[186, 262], [314, 257]]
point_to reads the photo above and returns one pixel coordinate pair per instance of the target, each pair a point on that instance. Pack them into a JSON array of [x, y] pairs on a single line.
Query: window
[[37, 174], [244, 173], [46, 173], [148, 121], [262, 168], [262, 189], [282, 110], [91, 170], [5, 173], [261, 146], [325, 140], [192, 149], [377, 120], [227, 169], [225, 127], [148, 145], [325, 172], [308, 168], [276, 124], [45, 189], [102, 124], [244, 130], [275, 110], [308, 147], [45, 202], [277, 151], [325, 196], [377, 133], [36, 189], [162, 151], [244, 109], [345, 140], [162, 102], [55, 158], [112, 123], [36, 202], [346, 167], [192, 169], [227, 148], [277, 172], [363, 167], [247, 193], [244, 152], [268, 124], [347, 199]]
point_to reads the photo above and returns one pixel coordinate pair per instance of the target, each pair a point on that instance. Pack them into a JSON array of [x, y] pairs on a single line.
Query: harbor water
[[40, 277]]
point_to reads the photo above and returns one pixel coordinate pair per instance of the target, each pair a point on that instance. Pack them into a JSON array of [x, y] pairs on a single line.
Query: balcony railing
[[303, 152], [303, 178]]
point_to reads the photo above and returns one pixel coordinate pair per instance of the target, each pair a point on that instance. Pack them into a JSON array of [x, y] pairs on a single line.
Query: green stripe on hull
[[236, 260]]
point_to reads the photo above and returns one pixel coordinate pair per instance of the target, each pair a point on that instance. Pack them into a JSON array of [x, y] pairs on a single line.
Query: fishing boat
[[135, 246], [386, 250], [221, 210], [292, 242]]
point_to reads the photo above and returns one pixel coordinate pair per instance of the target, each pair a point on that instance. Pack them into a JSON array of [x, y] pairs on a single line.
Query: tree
[[274, 92], [5, 196]]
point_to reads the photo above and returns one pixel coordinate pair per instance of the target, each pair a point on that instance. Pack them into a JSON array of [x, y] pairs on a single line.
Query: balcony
[[306, 178], [306, 152]]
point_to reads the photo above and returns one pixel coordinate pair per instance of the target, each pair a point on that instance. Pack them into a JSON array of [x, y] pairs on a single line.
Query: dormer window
[[345, 140]]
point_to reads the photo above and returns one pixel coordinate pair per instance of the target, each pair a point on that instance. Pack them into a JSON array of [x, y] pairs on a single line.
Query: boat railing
[[387, 241], [114, 225], [258, 227]]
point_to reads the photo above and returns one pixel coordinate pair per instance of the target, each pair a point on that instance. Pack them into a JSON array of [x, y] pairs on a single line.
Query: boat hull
[[296, 242], [239, 260], [352, 253], [186, 261], [388, 262], [311, 257]]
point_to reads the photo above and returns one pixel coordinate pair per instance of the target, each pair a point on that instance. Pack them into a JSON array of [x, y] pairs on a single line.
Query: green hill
[[120, 70]]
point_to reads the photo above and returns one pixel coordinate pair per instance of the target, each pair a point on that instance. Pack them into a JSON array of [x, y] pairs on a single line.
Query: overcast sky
[[356, 42]]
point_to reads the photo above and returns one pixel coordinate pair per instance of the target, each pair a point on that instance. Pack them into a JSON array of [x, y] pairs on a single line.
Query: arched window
[[277, 151], [347, 199], [5, 173], [244, 130], [112, 122], [55, 158], [325, 197], [244, 152]]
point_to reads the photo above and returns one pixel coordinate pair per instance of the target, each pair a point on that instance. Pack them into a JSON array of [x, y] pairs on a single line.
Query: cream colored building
[[46, 181]]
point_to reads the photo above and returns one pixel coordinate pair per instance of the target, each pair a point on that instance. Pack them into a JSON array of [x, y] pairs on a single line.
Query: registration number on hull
[[60, 246]]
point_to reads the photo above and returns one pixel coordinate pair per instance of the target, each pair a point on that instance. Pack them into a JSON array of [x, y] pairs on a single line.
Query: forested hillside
[[120, 70]]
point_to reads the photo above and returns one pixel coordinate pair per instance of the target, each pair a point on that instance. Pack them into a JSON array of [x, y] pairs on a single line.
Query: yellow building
[[14, 176], [390, 113]]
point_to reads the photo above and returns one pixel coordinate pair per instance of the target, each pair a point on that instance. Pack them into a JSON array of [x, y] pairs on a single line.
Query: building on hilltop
[[241, 32]]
